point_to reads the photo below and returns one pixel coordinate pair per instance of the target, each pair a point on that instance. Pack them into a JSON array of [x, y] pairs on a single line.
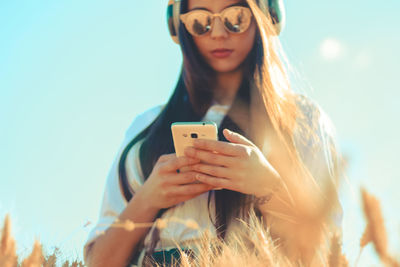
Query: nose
[[218, 30]]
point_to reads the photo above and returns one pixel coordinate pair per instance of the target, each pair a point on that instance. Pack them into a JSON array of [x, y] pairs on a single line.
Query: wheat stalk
[[8, 257], [36, 258], [376, 230], [336, 257]]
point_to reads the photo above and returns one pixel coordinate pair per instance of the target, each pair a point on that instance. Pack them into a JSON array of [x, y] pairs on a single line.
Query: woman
[[275, 155]]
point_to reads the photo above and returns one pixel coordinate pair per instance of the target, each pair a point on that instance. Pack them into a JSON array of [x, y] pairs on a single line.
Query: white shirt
[[195, 209]]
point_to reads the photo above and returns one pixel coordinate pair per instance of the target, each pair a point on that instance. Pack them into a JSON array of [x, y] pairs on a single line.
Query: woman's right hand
[[165, 187]]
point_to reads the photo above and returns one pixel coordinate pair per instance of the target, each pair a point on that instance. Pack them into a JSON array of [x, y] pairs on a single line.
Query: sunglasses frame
[[184, 18]]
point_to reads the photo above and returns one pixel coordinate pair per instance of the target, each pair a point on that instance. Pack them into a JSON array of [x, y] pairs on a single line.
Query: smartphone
[[184, 133]]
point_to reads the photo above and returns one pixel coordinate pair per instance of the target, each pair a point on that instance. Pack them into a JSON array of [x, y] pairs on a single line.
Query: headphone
[[275, 9]]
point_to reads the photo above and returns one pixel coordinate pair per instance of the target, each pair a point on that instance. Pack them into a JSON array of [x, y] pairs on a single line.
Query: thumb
[[236, 138]]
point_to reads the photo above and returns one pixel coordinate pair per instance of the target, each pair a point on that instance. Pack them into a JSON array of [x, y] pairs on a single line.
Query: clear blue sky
[[74, 74]]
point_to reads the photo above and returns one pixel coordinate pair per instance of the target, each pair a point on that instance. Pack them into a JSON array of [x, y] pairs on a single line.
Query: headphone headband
[[274, 8]]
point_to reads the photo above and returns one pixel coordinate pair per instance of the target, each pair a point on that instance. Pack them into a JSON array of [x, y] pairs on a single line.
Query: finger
[[182, 178], [210, 157], [190, 189], [178, 162], [236, 138], [166, 157], [184, 169], [215, 181], [221, 147], [212, 170]]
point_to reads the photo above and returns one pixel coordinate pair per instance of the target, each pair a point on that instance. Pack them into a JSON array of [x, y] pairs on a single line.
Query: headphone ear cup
[[173, 11], [277, 14]]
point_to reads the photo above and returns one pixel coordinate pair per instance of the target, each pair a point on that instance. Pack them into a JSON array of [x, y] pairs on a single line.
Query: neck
[[227, 85]]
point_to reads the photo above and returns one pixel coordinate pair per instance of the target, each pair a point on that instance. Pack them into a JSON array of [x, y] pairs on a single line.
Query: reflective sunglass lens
[[237, 20], [200, 27]]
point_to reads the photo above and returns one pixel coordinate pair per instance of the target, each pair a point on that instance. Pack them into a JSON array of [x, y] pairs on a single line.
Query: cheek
[[245, 42], [202, 45]]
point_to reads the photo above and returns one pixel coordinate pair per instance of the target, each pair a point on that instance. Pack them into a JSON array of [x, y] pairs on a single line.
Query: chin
[[224, 67]]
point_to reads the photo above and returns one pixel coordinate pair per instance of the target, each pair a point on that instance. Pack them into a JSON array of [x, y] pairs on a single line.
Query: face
[[239, 45]]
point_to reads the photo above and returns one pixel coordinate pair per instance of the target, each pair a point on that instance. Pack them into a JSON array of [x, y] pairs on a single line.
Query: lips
[[221, 52]]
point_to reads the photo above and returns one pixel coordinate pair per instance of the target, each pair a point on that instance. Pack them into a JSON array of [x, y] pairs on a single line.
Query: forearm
[[292, 197], [301, 218], [116, 246]]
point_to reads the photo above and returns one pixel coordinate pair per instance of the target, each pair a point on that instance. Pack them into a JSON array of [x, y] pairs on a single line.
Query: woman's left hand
[[236, 165]]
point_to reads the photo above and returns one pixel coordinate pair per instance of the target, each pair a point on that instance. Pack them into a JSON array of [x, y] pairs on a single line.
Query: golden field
[[256, 248]]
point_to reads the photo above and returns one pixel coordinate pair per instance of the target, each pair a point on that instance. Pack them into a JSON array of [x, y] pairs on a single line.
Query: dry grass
[[375, 231], [253, 246], [9, 258], [336, 258]]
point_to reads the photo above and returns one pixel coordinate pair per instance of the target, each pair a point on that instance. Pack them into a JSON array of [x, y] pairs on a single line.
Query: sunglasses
[[236, 19]]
